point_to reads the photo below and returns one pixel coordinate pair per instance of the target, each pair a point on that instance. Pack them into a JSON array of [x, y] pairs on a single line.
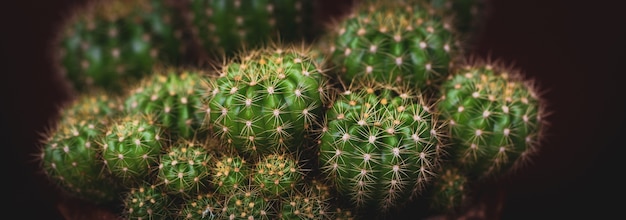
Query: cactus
[[267, 100], [449, 191], [146, 202], [225, 26], [71, 154], [381, 146], [185, 168], [171, 95], [203, 206], [466, 15], [247, 203], [277, 174], [112, 43], [310, 202], [393, 41], [229, 173], [131, 147], [494, 116]]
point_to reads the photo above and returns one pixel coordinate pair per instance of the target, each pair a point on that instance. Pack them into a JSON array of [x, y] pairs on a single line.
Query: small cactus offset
[[146, 202], [310, 202], [494, 117], [229, 173], [108, 44], [393, 41], [203, 206], [381, 146], [131, 147], [266, 100], [248, 203], [449, 191], [227, 26], [185, 168], [71, 153], [172, 96], [277, 174], [465, 15]]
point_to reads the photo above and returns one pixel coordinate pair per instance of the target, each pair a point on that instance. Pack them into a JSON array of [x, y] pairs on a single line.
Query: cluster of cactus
[[380, 112]]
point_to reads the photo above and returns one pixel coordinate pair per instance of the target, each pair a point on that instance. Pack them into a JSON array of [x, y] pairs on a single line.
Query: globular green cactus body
[[71, 154], [277, 174], [173, 98], [494, 118], [267, 101], [227, 26], [393, 41], [131, 147], [146, 202], [310, 202], [203, 206], [185, 169], [229, 173], [111, 43], [247, 203], [381, 146]]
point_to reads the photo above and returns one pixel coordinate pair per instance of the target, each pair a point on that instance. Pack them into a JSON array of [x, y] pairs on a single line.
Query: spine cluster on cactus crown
[[380, 146], [495, 118]]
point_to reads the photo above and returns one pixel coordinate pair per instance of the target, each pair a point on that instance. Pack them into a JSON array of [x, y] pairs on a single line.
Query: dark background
[[575, 49]]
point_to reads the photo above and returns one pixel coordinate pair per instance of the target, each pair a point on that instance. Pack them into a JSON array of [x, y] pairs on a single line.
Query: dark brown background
[[575, 49]]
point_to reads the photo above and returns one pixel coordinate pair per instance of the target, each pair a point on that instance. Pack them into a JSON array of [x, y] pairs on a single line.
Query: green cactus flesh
[[185, 168], [146, 202], [311, 202], [173, 98], [494, 118], [380, 147], [277, 174], [247, 203], [267, 101], [230, 173], [203, 206], [132, 146], [393, 41], [71, 154], [111, 43], [228, 26]]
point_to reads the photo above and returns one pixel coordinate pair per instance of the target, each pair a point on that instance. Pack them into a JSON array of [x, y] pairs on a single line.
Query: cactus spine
[[184, 169]]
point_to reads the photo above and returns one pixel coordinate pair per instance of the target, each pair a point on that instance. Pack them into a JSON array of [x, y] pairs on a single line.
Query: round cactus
[[146, 202], [247, 203], [466, 15], [277, 174], [393, 41], [110, 43], [267, 100], [203, 206], [311, 202], [131, 147], [229, 173], [449, 190], [71, 154], [185, 168], [381, 146], [494, 116], [227, 26], [173, 97]]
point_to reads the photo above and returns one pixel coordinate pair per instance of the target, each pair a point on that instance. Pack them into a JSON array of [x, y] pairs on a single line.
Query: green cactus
[[311, 202], [111, 43], [203, 206], [229, 173], [277, 174], [71, 154], [494, 116], [381, 146], [227, 26], [267, 100], [146, 202], [173, 96], [393, 41], [185, 168], [248, 203], [131, 147]]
